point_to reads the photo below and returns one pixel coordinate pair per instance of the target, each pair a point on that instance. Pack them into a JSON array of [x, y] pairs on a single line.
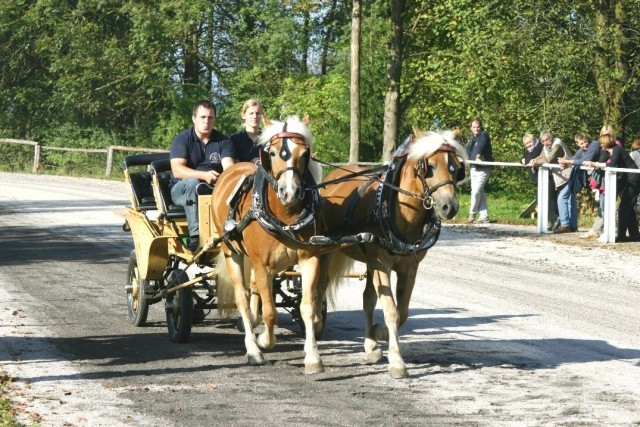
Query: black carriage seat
[[162, 170], [141, 181]]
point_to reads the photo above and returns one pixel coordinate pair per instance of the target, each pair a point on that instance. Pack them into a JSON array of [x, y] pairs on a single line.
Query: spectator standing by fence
[[587, 151], [532, 149], [635, 150], [628, 186], [479, 149], [553, 150]]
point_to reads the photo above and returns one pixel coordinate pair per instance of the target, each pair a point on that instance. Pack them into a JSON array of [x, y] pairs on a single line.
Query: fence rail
[[610, 181], [38, 147]]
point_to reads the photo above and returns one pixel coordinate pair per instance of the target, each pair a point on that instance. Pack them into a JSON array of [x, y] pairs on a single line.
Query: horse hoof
[[398, 373], [255, 359], [264, 343], [313, 368], [374, 356]]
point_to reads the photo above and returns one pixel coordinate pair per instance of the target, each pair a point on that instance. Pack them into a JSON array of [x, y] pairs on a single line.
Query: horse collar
[[262, 214], [395, 244]]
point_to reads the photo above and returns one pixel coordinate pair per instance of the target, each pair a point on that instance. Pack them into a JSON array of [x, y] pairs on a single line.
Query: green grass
[[506, 209], [7, 410]]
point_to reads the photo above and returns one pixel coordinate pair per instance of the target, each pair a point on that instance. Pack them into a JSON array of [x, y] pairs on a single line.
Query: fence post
[[543, 198], [37, 149], [109, 160], [610, 196]]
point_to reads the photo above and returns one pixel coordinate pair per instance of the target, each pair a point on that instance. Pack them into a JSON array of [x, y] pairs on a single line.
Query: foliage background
[[91, 73]]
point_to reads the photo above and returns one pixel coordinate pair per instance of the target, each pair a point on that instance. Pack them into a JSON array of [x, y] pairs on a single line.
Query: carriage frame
[[158, 263]]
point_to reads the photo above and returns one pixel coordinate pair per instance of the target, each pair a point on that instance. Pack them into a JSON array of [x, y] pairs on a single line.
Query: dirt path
[[507, 328]]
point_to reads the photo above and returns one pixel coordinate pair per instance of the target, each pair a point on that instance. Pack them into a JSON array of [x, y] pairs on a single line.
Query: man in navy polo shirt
[[198, 154]]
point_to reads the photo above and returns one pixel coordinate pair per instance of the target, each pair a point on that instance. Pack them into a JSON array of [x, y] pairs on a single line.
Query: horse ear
[[306, 119], [265, 121], [457, 134], [417, 132]]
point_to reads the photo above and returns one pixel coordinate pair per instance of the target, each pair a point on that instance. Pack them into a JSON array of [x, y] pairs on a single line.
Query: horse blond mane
[[430, 142], [294, 124]]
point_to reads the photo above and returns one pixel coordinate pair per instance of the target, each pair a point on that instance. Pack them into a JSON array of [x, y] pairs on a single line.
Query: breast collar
[[259, 211], [381, 214]]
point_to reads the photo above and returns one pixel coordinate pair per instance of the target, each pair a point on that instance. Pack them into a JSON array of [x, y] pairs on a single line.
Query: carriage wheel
[[179, 309], [137, 304]]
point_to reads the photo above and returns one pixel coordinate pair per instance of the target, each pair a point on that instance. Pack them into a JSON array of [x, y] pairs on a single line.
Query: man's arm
[[180, 170]]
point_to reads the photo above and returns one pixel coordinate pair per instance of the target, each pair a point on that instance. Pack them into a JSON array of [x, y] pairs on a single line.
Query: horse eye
[[272, 154]]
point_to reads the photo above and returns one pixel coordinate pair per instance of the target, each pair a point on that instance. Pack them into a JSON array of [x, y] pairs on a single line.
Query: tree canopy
[[96, 72]]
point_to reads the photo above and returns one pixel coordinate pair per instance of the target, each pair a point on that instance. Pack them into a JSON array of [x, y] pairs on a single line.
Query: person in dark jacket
[[198, 154], [244, 141], [479, 149], [532, 149], [628, 186]]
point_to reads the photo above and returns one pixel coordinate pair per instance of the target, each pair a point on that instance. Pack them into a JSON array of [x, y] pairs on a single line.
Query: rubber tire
[[179, 309], [137, 304]]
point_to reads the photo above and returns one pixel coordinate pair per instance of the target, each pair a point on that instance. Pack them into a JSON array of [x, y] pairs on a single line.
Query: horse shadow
[[424, 349], [430, 339]]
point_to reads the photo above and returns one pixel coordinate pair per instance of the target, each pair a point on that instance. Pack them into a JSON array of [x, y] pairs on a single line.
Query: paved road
[[507, 328]]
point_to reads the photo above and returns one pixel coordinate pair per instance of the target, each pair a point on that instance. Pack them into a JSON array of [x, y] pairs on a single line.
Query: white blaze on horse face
[[290, 182]]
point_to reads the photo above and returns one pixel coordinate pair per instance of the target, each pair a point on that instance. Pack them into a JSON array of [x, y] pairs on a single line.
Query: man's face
[[547, 141], [475, 128], [582, 143], [204, 121]]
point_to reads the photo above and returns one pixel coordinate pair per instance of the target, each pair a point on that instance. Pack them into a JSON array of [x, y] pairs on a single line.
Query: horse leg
[[404, 289], [234, 270], [254, 301], [372, 350], [264, 285], [382, 282], [309, 270]]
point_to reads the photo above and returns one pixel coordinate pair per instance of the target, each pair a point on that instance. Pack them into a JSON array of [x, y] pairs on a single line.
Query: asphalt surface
[[507, 328]]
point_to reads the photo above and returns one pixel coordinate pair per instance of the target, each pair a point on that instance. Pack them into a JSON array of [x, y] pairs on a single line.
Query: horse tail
[[335, 267], [225, 289]]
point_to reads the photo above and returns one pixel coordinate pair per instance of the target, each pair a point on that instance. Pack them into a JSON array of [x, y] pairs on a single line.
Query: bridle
[[420, 172], [285, 154]]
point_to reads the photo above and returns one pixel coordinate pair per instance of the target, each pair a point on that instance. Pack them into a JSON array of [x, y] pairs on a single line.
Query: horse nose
[[448, 210]]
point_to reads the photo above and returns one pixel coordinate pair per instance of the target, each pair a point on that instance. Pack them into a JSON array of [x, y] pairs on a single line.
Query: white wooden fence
[[610, 181]]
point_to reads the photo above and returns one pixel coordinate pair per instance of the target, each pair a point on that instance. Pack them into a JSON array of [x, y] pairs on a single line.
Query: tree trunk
[[394, 72], [355, 82], [611, 69]]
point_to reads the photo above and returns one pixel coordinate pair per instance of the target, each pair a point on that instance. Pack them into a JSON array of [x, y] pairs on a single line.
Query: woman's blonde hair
[[528, 137], [608, 130], [607, 140], [250, 103]]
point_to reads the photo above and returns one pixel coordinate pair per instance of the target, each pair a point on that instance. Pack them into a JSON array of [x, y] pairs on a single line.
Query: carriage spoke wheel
[[137, 304], [179, 309]]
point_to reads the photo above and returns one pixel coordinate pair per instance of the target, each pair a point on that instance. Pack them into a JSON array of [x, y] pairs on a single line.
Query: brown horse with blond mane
[[266, 212], [402, 205]]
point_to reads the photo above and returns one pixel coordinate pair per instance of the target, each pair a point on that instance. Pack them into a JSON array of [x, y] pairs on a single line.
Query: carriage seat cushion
[[162, 169], [141, 186]]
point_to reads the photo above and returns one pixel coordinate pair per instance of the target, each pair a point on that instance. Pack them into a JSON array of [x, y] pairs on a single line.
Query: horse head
[[438, 161], [285, 154]]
